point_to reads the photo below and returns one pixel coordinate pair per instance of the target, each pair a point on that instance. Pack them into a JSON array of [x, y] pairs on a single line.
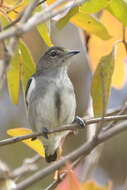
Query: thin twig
[[124, 38], [54, 184], [27, 166], [20, 16], [28, 11], [121, 112], [115, 111], [67, 127], [19, 138]]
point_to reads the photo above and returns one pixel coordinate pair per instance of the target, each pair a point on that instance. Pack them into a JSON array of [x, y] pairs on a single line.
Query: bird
[[50, 98]]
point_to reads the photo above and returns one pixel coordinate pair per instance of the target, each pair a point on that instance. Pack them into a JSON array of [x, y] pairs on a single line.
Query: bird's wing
[[29, 88]]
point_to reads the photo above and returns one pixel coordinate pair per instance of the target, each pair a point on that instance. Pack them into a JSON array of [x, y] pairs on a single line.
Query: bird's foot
[[34, 138], [57, 175], [79, 121], [45, 132], [59, 157]]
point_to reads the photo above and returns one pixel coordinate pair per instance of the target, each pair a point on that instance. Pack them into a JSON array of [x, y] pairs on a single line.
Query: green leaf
[[63, 21], [44, 29], [93, 6], [13, 78], [101, 83], [22, 67], [28, 65], [3, 22], [91, 25], [118, 8], [4, 19]]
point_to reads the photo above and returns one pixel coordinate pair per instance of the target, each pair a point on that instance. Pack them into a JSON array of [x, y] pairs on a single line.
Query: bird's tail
[[50, 158], [52, 145]]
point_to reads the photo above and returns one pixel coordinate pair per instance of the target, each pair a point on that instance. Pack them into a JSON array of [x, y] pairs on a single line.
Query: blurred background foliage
[[92, 28]]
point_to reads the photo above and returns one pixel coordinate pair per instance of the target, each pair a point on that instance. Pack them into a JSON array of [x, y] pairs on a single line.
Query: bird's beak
[[69, 53]]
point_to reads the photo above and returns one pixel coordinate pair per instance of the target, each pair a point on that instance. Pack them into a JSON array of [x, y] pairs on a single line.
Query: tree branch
[[54, 184], [29, 164], [84, 150], [121, 112], [67, 127], [38, 18], [20, 16], [12, 44]]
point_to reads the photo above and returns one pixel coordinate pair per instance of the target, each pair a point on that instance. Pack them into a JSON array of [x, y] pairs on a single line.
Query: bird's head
[[56, 57]]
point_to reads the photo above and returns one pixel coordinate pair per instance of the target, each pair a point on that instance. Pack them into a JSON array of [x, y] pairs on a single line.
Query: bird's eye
[[53, 53]]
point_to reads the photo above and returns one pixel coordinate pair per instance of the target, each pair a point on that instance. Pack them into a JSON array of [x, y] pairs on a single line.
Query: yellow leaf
[[50, 1], [12, 2], [43, 30], [98, 48], [63, 21], [119, 10], [17, 8], [36, 145], [3, 22], [92, 185], [93, 6], [4, 19], [28, 65], [13, 73], [22, 67], [91, 25], [13, 78], [101, 83]]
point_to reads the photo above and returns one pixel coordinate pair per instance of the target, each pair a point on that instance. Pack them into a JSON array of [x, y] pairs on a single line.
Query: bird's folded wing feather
[[29, 88]]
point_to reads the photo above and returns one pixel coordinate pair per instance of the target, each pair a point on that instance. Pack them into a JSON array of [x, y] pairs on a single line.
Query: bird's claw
[[34, 138], [79, 121], [45, 132]]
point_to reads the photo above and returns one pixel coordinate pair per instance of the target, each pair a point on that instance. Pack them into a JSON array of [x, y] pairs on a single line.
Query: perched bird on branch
[[50, 98]]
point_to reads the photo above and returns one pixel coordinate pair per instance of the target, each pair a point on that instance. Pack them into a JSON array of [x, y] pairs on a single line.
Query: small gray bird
[[50, 98]]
